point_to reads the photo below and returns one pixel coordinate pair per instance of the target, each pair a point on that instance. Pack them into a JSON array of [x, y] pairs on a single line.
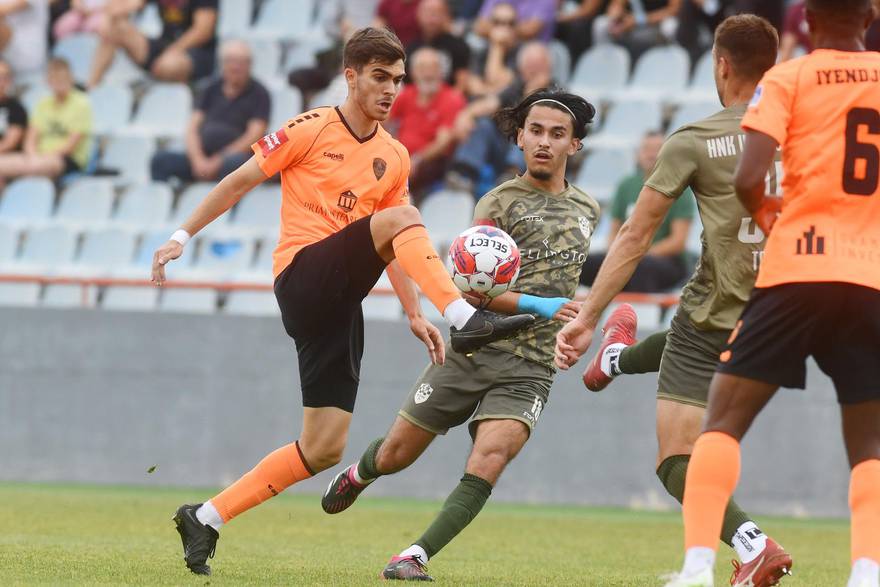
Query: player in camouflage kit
[[703, 156], [506, 385]]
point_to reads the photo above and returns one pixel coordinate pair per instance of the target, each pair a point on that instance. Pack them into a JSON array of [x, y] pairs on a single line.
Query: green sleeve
[[623, 197], [684, 208], [675, 165], [489, 211]]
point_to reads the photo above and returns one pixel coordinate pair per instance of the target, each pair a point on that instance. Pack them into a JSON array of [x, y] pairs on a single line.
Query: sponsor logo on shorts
[[423, 393], [535, 412], [272, 141]]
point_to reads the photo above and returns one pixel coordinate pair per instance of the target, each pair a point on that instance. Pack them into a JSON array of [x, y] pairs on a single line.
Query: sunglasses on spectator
[[503, 22]]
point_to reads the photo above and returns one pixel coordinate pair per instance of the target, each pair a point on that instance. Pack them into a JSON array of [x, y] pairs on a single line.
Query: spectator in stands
[[13, 116], [230, 115], [872, 36], [400, 17], [58, 140], [697, 19], [435, 22], [480, 141], [23, 38], [184, 51], [795, 32], [535, 19], [423, 115], [575, 27], [638, 25], [84, 16], [665, 265], [494, 67]]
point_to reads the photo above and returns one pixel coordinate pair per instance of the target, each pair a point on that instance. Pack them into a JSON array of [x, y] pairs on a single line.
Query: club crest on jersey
[[379, 167], [272, 141], [585, 227], [347, 200], [423, 393]]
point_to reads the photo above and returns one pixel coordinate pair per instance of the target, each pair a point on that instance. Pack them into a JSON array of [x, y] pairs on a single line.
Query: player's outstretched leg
[[199, 540], [400, 448], [619, 333], [862, 439], [496, 443], [398, 233]]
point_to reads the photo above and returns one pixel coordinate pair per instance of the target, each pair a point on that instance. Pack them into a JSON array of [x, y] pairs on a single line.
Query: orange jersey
[[329, 177], [824, 111]]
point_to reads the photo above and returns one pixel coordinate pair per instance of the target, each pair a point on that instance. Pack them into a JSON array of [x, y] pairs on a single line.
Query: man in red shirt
[[424, 114]]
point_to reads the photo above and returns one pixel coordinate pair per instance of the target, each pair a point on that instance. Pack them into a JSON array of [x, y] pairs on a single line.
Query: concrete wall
[[98, 396]]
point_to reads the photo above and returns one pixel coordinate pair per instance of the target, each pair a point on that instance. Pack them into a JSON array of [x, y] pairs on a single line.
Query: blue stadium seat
[[179, 269], [235, 18], [264, 255], [129, 298], [561, 59], [446, 214], [124, 71], [603, 170], [648, 316], [149, 21], [164, 111], [78, 50], [32, 95], [691, 112], [47, 248], [702, 86], [145, 204], [259, 209], [28, 199], [600, 72], [87, 199], [266, 61], [251, 303], [694, 243], [284, 19], [660, 74], [111, 108], [188, 301], [130, 156], [382, 307], [225, 256], [287, 103], [625, 124], [189, 199], [105, 250], [19, 294], [9, 238], [298, 57]]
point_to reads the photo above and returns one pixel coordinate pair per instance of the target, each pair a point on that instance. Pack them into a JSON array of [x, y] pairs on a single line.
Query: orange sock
[[712, 475], [419, 259], [864, 502], [275, 473]]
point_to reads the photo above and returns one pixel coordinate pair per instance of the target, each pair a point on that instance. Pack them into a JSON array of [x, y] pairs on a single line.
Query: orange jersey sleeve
[[289, 144], [769, 112]]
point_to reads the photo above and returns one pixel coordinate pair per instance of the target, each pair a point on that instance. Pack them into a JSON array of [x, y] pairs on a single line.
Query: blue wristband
[[543, 307]]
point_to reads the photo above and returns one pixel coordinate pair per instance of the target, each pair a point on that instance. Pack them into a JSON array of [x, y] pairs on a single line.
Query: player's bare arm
[[628, 248], [510, 302], [758, 155], [220, 199], [421, 327]]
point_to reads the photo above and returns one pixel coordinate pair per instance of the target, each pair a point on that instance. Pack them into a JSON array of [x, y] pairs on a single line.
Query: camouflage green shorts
[[689, 361], [490, 385]]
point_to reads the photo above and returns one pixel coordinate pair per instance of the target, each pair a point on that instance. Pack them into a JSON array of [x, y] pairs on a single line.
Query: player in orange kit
[[345, 217], [818, 288]]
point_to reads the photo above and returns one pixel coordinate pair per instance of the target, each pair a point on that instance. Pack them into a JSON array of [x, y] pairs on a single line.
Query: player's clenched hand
[[571, 343], [167, 252], [765, 216], [430, 335], [568, 311]]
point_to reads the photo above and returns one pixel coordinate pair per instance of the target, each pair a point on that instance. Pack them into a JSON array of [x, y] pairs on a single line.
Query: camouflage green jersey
[[703, 156], [553, 235]]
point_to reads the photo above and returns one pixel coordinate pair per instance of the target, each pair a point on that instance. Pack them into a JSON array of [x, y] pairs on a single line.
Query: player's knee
[[172, 66], [488, 462], [407, 215], [326, 457]]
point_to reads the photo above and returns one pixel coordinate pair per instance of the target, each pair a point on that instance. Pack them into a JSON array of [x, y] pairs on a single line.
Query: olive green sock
[[644, 356], [367, 465], [462, 506], [672, 473]]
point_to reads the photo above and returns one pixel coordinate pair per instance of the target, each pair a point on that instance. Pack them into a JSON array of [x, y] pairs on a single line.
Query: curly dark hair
[[511, 120]]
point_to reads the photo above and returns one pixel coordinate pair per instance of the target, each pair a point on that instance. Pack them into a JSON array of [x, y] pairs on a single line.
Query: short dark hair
[[511, 120], [846, 12], [372, 45], [750, 43]]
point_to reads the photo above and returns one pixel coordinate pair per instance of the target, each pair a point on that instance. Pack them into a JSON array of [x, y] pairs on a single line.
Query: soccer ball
[[484, 260]]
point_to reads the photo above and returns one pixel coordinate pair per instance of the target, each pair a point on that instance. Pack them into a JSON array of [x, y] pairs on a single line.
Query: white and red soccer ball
[[484, 260]]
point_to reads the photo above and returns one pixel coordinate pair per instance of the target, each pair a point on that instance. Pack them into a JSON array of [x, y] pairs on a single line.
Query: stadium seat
[[164, 111], [124, 71], [626, 123], [9, 238], [284, 20], [702, 86], [235, 18], [189, 199], [260, 209], [19, 294], [88, 199], [561, 59], [286, 104], [145, 204], [179, 269], [694, 243], [225, 256], [78, 50], [266, 62], [45, 249], [600, 71], [130, 298], [105, 250], [446, 214], [648, 316], [382, 306], [332, 95], [298, 57], [149, 22], [111, 108], [130, 156], [264, 255], [660, 74], [251, 303], [603, 170], [691, 112], [599, 238], [188, 301], [32, 95], [28, 199], [63, 295]]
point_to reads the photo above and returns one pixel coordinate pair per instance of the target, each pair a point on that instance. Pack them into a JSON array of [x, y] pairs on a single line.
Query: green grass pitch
[[87, 535]]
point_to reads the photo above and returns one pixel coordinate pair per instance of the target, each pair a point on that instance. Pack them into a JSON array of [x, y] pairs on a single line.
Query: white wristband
[[181, 236]]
